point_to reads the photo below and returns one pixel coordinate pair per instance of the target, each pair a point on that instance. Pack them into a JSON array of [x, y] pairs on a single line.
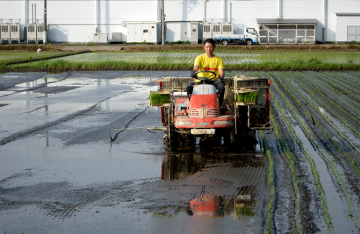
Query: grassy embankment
[[295, 64], [62, 65]]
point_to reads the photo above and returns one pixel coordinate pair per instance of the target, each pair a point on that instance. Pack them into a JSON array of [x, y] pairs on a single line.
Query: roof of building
[[347, 14], [286, 21]]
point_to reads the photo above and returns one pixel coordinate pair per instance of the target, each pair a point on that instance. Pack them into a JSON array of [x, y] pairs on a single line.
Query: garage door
[[353, 33]]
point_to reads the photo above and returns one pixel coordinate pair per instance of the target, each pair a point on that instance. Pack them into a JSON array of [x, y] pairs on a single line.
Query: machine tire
[[228, 141], [172, 138], [189, 140], [249, 42], [225, 42], [175, 139]]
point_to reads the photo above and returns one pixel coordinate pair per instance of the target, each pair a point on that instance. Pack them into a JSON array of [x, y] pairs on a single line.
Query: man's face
[[209, 49]]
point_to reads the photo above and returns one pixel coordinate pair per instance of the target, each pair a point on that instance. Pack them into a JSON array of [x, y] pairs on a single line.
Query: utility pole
[[162, 23], [45, 25]]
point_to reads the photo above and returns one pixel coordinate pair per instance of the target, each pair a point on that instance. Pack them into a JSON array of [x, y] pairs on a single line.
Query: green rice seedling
[[157, 99], [270, 213], [336, 174], [270, 208], [316, 176], [330, 110], [322, 193], [247, 97], [138, 63], [244, 211]]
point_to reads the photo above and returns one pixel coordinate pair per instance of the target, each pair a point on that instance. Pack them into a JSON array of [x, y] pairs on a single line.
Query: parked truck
[[249, 38], [232, 123], [224, 33]]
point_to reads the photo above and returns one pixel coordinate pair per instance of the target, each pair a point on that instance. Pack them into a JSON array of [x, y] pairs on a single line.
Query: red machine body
[[202, 111], [201, 116]]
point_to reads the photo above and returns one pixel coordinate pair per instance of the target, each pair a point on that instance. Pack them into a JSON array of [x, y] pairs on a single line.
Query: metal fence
[[287, 34]]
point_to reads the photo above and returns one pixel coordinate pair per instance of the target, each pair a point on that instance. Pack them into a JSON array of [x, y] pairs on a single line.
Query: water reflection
[[179, 166], [216, 206], [222, 184]]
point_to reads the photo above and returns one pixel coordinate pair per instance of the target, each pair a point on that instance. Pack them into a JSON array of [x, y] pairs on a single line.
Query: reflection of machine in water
[[179, 166], [221, 184], [213, 205]]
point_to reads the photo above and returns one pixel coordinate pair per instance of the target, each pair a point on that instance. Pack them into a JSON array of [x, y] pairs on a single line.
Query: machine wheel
[[224, 42], [175, 139], [172, 138], [189, 140], [227, 141], [246, 139], [249, 42]]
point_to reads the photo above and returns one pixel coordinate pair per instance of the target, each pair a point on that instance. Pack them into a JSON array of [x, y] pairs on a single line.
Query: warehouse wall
[[75, 20], [342, 26], [306, 9], [340, 7], [177, 32], [184, 10], [246, 13]]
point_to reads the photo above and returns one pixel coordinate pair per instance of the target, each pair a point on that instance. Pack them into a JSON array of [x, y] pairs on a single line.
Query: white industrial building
[[276, 21]]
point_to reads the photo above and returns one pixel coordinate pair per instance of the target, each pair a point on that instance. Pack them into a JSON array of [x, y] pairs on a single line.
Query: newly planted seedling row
[[310, 160]]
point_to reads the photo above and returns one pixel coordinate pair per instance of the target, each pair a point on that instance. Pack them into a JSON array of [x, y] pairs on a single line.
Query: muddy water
[[60, 173]]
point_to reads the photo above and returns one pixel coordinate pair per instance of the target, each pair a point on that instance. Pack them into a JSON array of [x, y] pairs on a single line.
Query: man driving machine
[[209, 62]]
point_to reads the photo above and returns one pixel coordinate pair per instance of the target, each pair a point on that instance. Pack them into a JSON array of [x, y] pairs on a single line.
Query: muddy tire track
[[26, 133]]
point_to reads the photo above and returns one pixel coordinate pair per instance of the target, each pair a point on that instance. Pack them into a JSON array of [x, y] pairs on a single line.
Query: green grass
[[106, 65], [11, 56], [234, 60], [229, 57], [138, 43], [156, 98], [64, 65], [183, 60], [178, 42], [294, 65]]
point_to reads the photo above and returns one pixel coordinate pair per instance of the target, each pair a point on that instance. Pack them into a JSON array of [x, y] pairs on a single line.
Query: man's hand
[[221, 79], [193, 74]]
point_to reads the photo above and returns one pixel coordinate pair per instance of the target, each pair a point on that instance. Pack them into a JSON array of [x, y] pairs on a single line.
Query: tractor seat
[[204, 89]]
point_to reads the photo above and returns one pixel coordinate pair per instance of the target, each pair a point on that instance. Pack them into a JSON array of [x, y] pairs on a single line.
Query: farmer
[[209, 62]]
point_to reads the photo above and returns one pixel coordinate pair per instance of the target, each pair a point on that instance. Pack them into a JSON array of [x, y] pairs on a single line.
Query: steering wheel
[[205, 79]]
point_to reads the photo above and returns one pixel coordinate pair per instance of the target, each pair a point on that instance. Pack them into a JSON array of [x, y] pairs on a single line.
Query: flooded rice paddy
[[6, 56], [60, 173], [232, 57]]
